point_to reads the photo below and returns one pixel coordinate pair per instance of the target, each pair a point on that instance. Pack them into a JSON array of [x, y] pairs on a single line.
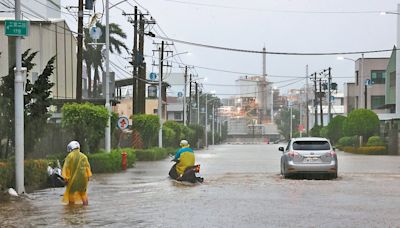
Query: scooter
[[188, 176], [55, 178]]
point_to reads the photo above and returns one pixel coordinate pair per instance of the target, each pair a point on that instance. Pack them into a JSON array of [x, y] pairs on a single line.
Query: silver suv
[[309, 155]]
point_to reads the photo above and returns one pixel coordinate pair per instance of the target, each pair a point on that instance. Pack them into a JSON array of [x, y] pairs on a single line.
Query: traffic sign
[[301, 128], [153, 76], [95, 33], [180, 94], [16, 28], [123, 122]]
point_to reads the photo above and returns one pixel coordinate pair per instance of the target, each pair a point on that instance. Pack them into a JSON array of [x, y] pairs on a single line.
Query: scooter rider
[[185, 156]]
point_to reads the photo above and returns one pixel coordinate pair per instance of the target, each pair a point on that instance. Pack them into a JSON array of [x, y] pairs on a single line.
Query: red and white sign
[[123, 122], [301, 128]]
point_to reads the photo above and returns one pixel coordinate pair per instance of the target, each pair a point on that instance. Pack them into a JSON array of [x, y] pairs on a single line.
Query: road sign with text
[[16, 28]]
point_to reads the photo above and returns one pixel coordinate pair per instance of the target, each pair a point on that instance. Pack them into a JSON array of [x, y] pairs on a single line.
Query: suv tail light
[[292, 154], [331, 154]]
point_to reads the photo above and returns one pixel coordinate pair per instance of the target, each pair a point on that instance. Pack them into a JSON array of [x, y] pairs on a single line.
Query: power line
[[272, 52], [272, 10]]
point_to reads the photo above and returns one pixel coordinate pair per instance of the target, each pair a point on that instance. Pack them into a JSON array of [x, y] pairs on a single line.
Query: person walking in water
[[76, 172]]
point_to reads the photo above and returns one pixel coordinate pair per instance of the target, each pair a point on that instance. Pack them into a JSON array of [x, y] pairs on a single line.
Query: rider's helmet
[[184, 143], [72, 146]]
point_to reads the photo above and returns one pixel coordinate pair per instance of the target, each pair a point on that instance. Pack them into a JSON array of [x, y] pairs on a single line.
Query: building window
[[378, 76], [377, 102], [177, 115], [357, 77], [392, 79]]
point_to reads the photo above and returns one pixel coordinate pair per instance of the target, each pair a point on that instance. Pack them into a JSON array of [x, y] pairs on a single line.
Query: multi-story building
[[368, 90]]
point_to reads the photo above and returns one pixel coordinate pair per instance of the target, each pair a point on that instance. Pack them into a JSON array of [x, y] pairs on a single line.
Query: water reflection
[[75, 215]]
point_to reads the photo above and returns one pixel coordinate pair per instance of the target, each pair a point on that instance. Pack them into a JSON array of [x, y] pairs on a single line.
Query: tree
[[7, 122], [283, 121], [335, 128], [94, 56], [147, 126], [36, 109], [362, 122], [87, 121]]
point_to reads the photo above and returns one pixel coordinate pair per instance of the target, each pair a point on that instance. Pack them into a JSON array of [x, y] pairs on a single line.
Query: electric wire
[[273, 52], [272, 10]]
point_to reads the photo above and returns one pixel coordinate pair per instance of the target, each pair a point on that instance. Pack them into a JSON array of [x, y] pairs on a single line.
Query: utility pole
[[315, 100], [205, 130], [190, 100], [184, 97], [19, 109], [213, 124], [198, 103], [108, 105], [365, 95], [79, 57], [307, 112], [160, 94], [141, 95], [320, 102], [135, 102], [329, 95]]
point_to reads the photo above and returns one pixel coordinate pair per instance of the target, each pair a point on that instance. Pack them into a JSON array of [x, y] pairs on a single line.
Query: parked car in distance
[[309, 155]]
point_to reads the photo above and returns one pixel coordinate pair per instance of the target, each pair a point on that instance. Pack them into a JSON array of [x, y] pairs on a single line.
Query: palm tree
[[94, 57]]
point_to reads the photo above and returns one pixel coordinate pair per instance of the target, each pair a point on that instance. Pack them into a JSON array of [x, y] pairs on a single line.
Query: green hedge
[[155, 153], [375, 141], [367, 150], [35, 174], [111, 162]]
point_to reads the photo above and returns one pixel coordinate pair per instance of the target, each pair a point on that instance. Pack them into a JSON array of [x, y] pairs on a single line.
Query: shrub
[[347, 141], [315, 131], [5, 175], [335, 128], [111, 162], [367, 150], [375, 141], [362, 122], [147, 126], [188, 134], [35, 172], [155, 153], [176, 127], [324, 132], [198, 133], [169, 137]]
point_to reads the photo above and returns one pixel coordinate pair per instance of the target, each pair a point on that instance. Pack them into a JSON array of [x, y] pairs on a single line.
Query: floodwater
[[242, 188]]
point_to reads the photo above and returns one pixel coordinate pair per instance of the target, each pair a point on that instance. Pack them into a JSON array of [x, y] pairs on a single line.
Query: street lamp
[[159, 93], [359, 78], [206, 121]]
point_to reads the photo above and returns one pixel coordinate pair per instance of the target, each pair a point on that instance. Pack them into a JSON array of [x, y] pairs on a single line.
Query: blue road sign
[[153, 76]]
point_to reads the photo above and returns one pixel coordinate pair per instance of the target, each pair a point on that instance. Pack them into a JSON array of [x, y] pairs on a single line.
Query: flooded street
[[242, 188]]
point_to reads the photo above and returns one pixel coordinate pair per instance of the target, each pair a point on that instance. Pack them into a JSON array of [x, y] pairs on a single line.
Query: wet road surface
[[242, 188]]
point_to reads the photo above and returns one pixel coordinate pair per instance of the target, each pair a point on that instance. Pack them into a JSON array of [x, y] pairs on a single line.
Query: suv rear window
[[311, 145]]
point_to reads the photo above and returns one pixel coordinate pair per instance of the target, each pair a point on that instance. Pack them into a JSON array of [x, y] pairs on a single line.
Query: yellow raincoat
[[186, 159], [76, 171]]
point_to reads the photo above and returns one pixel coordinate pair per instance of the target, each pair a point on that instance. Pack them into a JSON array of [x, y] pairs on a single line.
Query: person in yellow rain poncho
[[76, 172], [185, 156]]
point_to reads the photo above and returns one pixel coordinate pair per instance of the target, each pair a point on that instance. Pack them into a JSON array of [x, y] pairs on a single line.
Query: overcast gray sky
[[280, 25]]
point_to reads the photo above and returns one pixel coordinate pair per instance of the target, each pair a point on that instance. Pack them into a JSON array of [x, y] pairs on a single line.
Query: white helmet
[[184, 143], [73, 145]]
